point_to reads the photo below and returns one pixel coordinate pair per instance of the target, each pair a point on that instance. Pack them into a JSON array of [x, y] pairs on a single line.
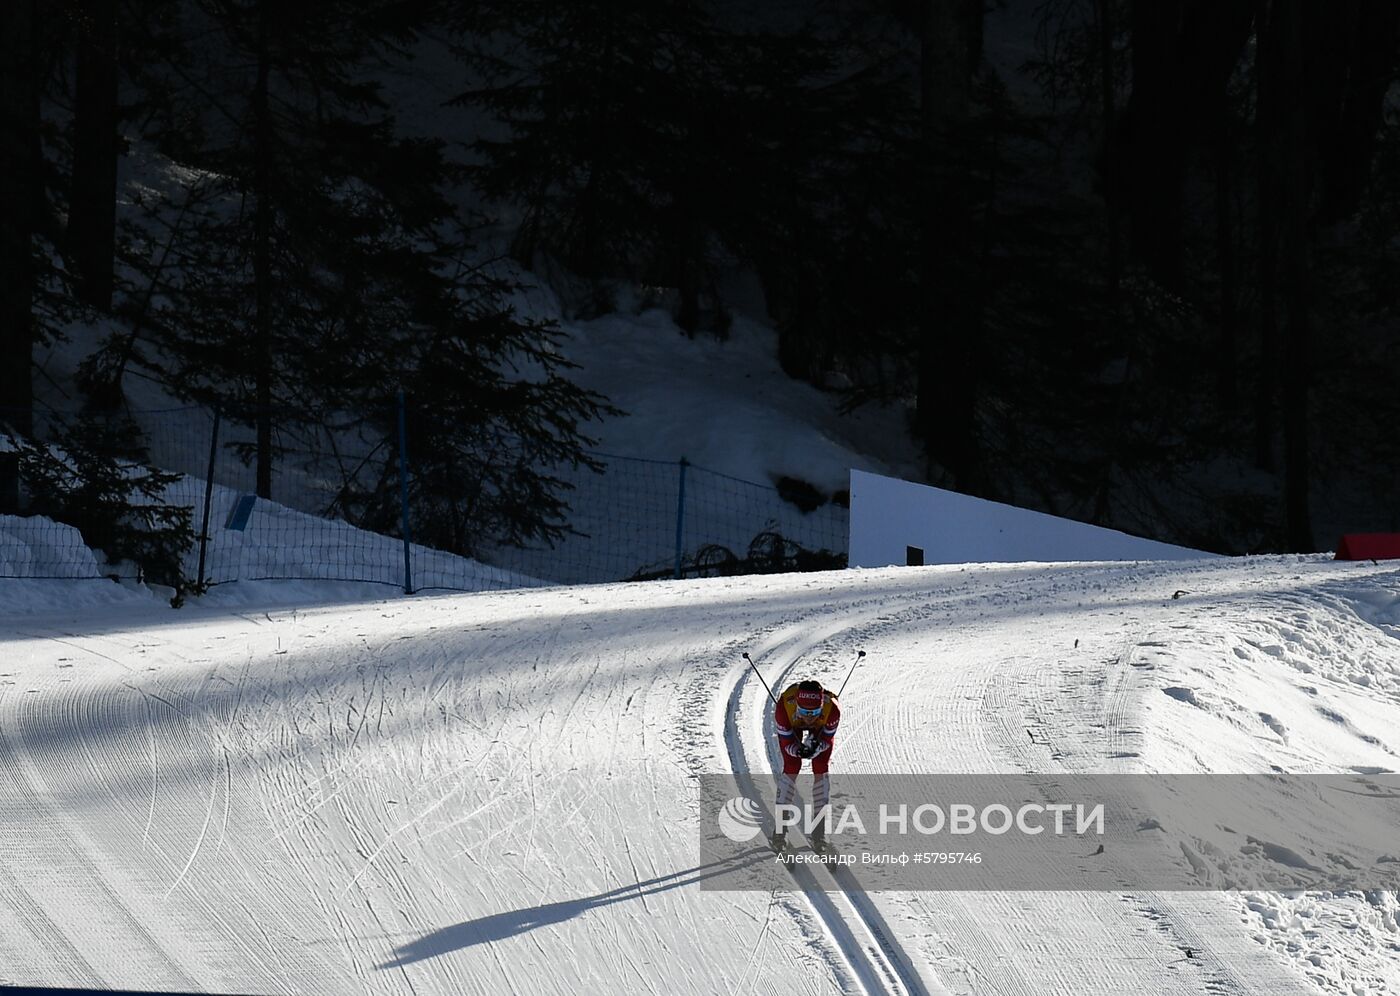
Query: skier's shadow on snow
[[499, 926]]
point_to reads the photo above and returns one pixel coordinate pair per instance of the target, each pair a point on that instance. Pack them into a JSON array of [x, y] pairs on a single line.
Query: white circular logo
[[740, 819]]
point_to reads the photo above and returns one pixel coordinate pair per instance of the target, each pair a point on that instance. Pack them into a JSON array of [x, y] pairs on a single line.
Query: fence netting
[[633, 519]]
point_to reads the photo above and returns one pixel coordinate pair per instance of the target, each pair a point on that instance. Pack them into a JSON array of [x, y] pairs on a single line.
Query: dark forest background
[[1154, 288]]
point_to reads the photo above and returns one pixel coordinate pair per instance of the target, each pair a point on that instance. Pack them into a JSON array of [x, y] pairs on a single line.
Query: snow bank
[[38, 547], [280, 543], [725, 405]]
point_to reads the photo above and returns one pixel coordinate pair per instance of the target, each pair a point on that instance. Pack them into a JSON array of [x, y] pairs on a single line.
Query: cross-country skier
[[806, 717]]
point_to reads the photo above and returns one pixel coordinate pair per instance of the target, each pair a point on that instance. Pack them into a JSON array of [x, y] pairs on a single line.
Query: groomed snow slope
[[494, 792]]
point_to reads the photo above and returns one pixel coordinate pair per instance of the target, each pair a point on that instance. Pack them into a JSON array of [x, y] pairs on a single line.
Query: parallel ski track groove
[[55, 831], [881, 966], [857, 962], [191, 715], [906, 976], [43, 929]]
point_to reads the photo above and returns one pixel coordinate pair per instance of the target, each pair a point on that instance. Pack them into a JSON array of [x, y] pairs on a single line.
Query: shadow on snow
[[502, 926]]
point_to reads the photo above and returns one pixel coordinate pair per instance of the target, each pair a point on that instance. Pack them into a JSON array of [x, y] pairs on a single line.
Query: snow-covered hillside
[[495, 792], [725, 407]]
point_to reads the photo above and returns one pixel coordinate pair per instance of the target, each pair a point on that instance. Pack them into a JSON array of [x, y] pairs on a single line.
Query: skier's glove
[[820, 747], [793, 748], [809, 748]]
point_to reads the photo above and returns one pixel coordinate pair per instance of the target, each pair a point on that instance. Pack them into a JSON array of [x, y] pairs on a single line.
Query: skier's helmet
[[810, 698]]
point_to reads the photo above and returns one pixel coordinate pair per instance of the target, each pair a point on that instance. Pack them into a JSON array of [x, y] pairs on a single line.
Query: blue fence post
[[208, 494], [680, 517], [403, 497]]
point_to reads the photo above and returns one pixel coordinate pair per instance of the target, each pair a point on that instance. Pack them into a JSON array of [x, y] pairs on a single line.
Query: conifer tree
[[21, 197], [659, 142], [307, 264]]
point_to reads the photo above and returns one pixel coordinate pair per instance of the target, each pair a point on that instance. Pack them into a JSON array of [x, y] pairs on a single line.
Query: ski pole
[[760, 678], [859, 655]]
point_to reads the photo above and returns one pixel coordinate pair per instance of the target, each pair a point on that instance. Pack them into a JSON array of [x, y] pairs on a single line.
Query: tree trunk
[[1183, 54], [1155, 140], [688, 312], [1227, 348], [21, 193], [1293, 249], [262, 259], [1104, 15], [1266, 116], [92, 226], [688, 239], [946, 362]]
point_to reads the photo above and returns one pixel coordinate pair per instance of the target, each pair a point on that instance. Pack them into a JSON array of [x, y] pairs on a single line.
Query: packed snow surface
[[495, 792]]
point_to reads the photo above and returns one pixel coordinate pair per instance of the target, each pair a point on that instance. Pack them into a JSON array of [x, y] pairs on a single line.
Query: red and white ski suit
[[790, 725]]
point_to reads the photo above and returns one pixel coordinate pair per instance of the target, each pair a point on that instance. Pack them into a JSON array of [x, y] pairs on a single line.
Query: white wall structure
[[888, 516]]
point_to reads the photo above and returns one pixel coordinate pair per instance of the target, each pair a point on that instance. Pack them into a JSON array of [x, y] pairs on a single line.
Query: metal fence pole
[[208, 494], [403, 497], [680, 517]]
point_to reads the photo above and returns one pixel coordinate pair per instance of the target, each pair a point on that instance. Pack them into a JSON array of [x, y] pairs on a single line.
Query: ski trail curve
[[860, 902], [854, 926]]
